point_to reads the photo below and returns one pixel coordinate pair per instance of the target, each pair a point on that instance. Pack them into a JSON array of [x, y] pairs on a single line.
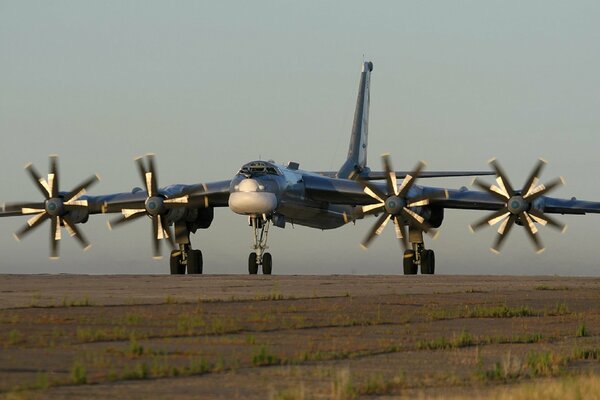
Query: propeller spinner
[[57, 207], [395, 203], [154, 205], [518, 205]]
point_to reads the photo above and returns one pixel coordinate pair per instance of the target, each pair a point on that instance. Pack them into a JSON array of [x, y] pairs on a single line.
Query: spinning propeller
[[57, 207], [155, 205], [518, 205], [396, 203]]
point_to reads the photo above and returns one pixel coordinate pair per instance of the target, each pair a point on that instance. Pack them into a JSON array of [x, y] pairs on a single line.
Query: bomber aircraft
[[273, 194]]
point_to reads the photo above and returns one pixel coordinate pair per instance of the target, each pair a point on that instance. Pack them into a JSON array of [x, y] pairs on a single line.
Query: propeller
[[58, 207], [518, 205], [155, 205], [396, 203]]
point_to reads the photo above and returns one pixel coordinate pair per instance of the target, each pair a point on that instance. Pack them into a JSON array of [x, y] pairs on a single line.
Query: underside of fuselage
[[313, 216]]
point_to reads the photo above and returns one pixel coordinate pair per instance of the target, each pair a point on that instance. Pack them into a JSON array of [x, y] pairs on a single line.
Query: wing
[[204, 195], [349, 192], [381, 175]]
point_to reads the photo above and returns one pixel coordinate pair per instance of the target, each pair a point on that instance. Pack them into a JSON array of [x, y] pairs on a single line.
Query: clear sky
[[210, 85]]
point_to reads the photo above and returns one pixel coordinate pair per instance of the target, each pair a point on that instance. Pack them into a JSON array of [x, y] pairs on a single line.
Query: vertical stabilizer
[[357, 154]]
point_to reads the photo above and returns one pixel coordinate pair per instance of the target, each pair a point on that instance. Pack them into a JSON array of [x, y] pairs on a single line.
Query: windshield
[[256, 168]]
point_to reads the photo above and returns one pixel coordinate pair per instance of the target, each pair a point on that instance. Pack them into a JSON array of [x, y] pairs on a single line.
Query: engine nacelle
[[433, 215], [79, 215], [200, 218]]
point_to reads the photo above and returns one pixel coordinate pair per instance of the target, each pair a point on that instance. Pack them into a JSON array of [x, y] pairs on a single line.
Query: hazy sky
[[208, 86]]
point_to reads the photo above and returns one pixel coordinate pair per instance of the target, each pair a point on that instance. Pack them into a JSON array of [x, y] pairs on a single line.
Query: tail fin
[[356, 162]]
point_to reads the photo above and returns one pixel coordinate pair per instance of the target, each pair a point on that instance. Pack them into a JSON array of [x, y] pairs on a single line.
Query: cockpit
[[258, 168]]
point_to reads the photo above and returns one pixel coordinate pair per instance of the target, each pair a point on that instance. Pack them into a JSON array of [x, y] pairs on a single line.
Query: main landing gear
[[260, 228], [185, 257], [419, 255]]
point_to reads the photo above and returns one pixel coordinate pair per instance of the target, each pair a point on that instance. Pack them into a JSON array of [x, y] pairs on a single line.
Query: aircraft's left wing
[[349, 192], [381, 175]]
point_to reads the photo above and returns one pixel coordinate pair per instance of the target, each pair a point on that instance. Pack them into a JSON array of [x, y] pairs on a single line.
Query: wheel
[[267, 265], [410, 268], [427, 262], [175, 263], [194, 262], [252, 265]]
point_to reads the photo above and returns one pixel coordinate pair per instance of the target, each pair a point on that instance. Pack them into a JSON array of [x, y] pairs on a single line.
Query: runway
[[293, 337]]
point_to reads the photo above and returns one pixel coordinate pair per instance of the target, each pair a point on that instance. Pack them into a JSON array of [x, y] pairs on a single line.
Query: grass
[[501, 311], [559, 309], [463, 339], [78, 373], [567, 388], [582, 330], [264, 358], [14, 337], [510, 368], [586, 353]]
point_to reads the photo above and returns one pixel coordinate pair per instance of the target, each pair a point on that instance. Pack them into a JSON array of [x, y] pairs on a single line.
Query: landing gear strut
[[185, 257], [419, 255], [260, 228]]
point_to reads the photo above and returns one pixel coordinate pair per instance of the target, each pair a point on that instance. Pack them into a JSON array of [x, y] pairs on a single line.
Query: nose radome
[[248, 185]]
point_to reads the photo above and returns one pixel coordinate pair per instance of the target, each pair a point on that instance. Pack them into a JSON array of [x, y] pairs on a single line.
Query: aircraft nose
[[249, 185], [251, 199]]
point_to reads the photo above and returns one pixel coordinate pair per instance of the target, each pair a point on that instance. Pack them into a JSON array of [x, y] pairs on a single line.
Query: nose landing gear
[[260, 228]]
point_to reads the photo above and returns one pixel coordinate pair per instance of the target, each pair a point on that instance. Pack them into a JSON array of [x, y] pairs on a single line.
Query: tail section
[[356, 163]]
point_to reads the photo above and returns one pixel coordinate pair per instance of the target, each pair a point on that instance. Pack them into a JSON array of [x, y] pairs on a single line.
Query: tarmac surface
[[292, 337]]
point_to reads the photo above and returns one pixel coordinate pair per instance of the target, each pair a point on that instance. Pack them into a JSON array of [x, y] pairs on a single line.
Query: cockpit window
[[258, 168]]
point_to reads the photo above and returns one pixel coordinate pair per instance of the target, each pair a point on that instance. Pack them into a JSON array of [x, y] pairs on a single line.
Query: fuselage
[[275, 190]]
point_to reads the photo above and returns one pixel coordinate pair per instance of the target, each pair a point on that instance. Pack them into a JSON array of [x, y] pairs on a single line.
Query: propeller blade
[[53, 176], [409, 179], [126, 218], [54, 237], [38, 180], [125, 205], [142, 170], [153, 176], [488, 218], [418, 221], [425, 199], [168, 233], [156, 233], [531, 232], [503, 232], [25, 208], [372, 208], [503, 177], [373, 191], [390, 175], [76, 233], [533, 177], [543, 189], [490, 189], [545, 219], [81, 189], [376, 230], [31, 224], [400, 232]]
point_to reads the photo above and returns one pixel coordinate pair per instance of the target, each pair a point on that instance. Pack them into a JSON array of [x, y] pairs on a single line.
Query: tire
[[427, 262], [252, 265], [194, 262], [410, 268], [267, 265], [175, 264]]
